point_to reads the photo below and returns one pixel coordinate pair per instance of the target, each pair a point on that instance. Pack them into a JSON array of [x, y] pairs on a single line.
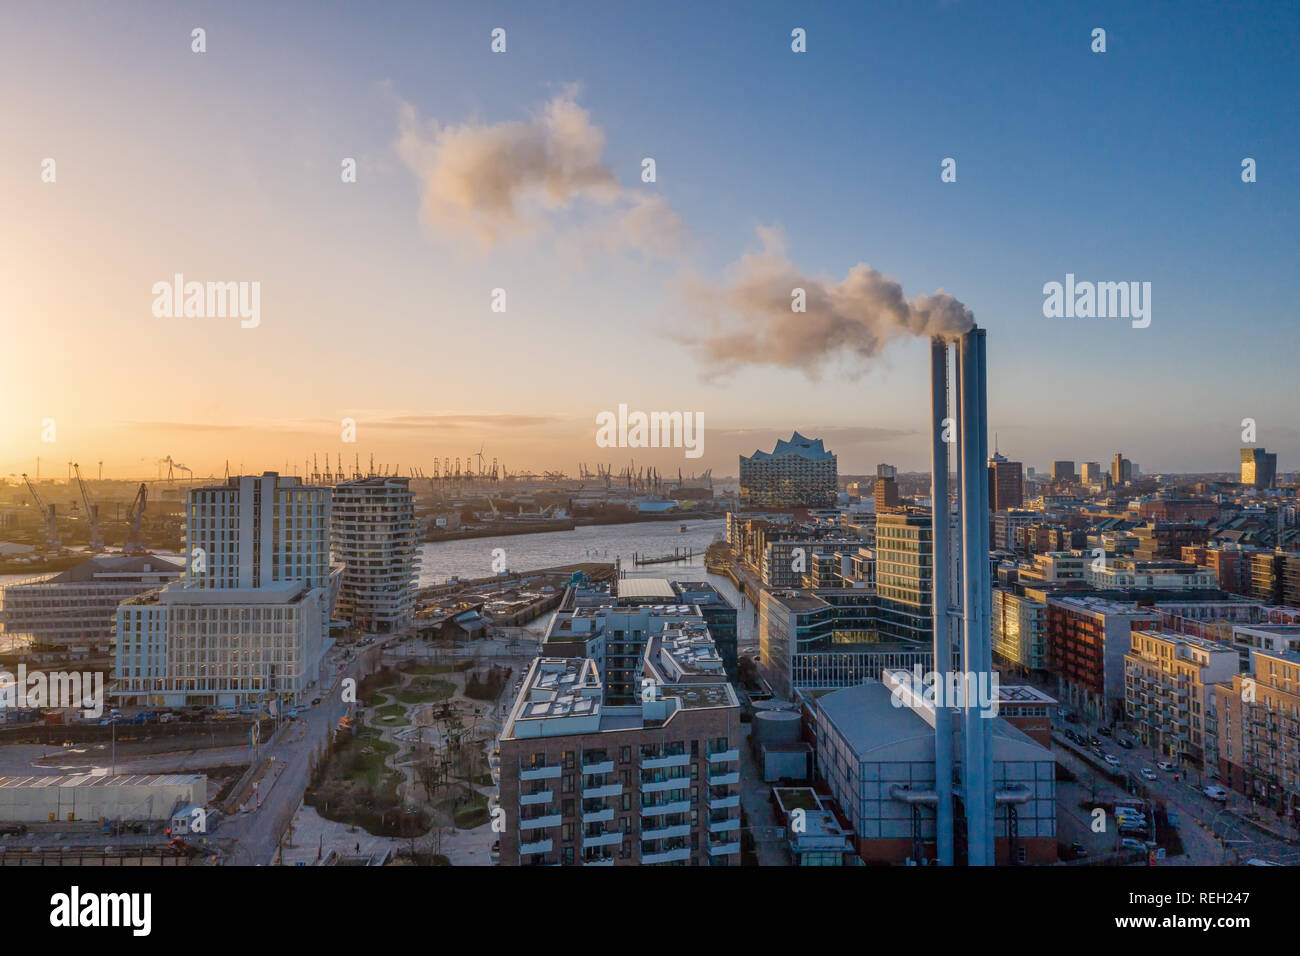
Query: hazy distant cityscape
[[729, 436]]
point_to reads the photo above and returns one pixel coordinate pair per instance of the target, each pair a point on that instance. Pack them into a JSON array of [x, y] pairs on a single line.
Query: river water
[[472, 558]]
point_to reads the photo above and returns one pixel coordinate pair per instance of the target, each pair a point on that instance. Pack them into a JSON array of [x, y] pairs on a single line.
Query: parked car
[[1104, 731], [1218, 794], [1094, 742], [1148, 773], [1166, 766], [1124, 742], [1111, 759]]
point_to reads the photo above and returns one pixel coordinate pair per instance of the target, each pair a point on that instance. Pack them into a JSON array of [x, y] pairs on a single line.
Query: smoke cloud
[[751, 320], [493, 181]]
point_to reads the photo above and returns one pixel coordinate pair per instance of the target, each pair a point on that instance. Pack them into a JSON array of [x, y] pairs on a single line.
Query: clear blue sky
[[1116, 166]]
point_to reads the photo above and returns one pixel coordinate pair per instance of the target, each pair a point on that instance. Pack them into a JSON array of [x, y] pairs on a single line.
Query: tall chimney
[[976, 597], [942, 594]]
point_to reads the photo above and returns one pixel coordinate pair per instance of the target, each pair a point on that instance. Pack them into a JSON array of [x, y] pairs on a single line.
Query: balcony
[[658, 763], [598, 816], [601, 839], [669, 783], [725, 756], [724, 803], [667, 856], [541, 772], [724, 849], [723, 826], [599, 861], [529, 799], [598, 766], [724, 779], [601, 791], [539, 846], [667, 833], [538, 823], [672, 806]]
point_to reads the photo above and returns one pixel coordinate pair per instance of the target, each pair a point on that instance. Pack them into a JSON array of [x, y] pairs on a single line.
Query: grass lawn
[[426, 691], [391, 715]]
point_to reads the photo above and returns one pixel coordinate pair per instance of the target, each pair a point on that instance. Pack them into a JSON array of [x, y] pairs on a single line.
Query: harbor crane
[[47, 514], [133, 543], [92, 512]]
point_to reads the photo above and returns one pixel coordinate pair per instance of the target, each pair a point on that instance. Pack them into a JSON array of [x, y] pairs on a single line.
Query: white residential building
[[250, 621], [374, 534]]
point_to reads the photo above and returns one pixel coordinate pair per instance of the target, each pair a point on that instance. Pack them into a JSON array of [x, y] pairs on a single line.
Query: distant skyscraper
[[1006, 489], [886, 491], [1063, 471], [799, 473], [1090, 472], [1121, 470], [1258, 468]]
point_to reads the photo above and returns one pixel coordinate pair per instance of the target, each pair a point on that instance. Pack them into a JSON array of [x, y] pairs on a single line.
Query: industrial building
[[93, 798], [879, 762]]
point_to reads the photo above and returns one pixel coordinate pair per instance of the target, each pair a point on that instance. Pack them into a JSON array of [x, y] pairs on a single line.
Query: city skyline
[[375, 295]]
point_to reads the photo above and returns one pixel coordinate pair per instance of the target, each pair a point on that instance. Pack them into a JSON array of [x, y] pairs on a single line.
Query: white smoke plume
[[493, 181], [751, 321]]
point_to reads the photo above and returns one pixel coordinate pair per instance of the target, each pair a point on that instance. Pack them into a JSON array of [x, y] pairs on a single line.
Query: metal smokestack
[[942, 594], [977, 737], [974, 597]]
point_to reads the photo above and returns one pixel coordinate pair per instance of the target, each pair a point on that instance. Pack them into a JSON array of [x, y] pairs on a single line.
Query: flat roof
[[646, 588], [102, 780]]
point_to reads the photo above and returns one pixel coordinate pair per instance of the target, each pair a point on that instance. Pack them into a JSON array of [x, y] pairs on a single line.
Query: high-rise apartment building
[[249, 623], [652, 782], [799, 473], [1090, 472], [374, 534], [1063, 471], [1006, 487]]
